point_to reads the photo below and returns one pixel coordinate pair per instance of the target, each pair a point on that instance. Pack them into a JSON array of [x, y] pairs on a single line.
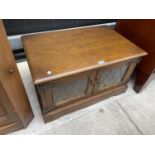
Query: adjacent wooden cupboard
[[142, 33], [15, 110]]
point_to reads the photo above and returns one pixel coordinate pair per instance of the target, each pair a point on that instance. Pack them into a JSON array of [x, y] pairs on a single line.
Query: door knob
[[11, 70]]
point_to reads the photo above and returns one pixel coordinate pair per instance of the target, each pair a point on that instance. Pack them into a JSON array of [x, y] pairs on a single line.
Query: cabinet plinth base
[[56, 113]]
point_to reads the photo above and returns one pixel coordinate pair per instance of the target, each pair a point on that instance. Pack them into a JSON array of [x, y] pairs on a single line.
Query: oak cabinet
[[65, 91], [15, 110], [73, 69]]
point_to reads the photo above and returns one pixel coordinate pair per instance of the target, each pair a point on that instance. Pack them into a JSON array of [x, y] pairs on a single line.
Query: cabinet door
[[3, 118], [7, 113], [66, 91], [112, 76]]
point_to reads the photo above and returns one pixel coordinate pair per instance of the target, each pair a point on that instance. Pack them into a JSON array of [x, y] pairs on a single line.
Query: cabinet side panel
[[11, 80]]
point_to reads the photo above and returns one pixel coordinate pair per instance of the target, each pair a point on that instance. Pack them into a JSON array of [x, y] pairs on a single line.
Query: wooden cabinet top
[[67, 52]]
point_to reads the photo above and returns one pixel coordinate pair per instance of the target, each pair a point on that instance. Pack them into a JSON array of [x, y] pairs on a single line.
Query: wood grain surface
[[71, 51], [142, 33], [13, 98]]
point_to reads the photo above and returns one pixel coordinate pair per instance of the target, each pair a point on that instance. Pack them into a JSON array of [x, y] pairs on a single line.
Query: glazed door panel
[[69, 90], [3, 117], [7, 113], [110, 76], [66, 91]]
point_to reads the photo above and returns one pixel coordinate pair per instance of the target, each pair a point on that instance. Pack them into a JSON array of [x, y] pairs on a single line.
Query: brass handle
[[11, 70]]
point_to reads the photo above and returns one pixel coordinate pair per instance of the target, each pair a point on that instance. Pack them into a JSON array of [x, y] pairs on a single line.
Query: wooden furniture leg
[[142, 79]]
